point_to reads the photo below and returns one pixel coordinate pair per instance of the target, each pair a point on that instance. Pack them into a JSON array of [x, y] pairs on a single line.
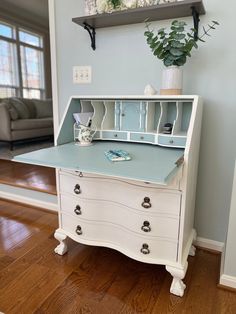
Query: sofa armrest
[[5, 123]]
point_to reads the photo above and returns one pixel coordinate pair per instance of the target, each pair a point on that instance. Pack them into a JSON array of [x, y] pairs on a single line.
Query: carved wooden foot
[[177, 285], [192, 251], [61, 249]]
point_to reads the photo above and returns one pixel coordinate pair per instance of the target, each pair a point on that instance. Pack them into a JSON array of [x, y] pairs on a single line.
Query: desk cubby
[[140, 120]]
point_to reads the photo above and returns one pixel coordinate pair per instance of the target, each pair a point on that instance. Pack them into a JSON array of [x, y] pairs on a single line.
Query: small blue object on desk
[[117, 155]]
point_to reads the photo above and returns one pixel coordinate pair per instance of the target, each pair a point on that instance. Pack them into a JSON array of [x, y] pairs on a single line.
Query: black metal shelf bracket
[[196, 21], [92, 34]]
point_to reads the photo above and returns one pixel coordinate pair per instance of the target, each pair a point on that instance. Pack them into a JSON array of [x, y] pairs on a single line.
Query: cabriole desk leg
[[177, 285], [61, 249]]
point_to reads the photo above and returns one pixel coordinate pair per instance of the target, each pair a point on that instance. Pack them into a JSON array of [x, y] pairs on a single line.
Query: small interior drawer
[[142, 137], [172, 141], [114, 135]]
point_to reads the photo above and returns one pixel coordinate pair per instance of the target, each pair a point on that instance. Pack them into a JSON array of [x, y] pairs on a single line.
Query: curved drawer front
[[172, 141], [142, 137], [105, 211], [114, 135], [143, 248], [148, 199]]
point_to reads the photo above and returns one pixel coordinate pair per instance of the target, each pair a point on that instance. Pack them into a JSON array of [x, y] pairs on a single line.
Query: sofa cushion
[[43, 108], [20, 107], [31, 107], [30, 124], [12, 111]]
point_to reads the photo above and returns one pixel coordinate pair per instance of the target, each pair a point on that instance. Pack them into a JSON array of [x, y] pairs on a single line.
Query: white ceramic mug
[[85, 135]]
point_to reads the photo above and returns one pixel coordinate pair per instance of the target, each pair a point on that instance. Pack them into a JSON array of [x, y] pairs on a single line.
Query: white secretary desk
[[143, 208]]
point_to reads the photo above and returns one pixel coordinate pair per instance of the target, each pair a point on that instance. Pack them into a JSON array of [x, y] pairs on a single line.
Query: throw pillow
[[13, 113], [21, 108], [11, 110], [31, 107], [43, 108]]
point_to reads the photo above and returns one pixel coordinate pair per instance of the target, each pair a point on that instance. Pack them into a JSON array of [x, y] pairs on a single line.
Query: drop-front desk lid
[[150, 163]]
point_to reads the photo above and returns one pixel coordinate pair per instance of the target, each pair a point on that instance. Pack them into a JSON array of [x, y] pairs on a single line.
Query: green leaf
[[190, 35], [211, 27], [200, 39], [179, 36], [178, 29], [181, 61], [168, 62], [176, 44], [205, 32], [161, 30], [178, 23], [176, 52]]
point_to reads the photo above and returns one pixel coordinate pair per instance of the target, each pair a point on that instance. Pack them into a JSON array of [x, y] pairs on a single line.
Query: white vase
[[172, 81]]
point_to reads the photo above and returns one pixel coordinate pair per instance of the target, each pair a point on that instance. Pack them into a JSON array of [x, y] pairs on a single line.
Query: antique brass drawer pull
[[145, 250], [77, 210], [77, 189], [146, 226], [146, 202], [79, 230]]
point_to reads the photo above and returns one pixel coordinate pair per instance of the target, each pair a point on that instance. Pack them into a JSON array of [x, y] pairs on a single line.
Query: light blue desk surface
[[149, 163]]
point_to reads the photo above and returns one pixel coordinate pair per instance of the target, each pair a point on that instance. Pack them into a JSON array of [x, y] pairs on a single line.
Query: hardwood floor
[[26, 176], [90, 279]]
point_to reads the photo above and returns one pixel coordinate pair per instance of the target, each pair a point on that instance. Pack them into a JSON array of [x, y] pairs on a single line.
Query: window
[[21, 63]]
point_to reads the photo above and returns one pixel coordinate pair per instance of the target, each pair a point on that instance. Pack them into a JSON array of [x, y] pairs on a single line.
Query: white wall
[[230, 252], [123, 64]]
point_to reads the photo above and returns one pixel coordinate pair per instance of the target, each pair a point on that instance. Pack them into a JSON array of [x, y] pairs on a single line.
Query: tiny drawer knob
[[77, 210], [171, 141], [78, 230], [115, 135], [77, 189], [141, 137], [123, 114], [145, 249], [146, 202], [146, 226]]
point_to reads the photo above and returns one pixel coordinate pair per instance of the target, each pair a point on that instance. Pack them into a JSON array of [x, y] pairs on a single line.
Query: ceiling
[[36, 8]]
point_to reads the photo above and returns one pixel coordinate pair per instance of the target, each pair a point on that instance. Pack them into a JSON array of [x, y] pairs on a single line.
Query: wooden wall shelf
[[139, 15]]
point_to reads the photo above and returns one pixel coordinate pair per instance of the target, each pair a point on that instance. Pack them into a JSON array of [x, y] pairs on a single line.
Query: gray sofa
[[22, 119]]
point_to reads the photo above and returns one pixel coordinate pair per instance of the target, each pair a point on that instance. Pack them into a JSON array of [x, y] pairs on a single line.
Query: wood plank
[[31, 177], [139, 15], [96, 280]]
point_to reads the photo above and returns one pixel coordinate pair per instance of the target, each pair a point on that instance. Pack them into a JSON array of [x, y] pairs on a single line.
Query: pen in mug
[[89, 123]]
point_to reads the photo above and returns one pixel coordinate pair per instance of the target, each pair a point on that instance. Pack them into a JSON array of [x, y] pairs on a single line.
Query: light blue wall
[[123, 64], [230, 252]]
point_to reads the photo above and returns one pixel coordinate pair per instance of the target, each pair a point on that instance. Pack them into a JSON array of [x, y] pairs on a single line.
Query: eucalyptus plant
[[175, 46], [115, 3]]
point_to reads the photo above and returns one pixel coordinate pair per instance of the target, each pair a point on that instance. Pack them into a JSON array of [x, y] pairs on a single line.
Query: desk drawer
[[148, 200], [171, 141], [142, 248], [134, 220], [142, 137], [114, 135]]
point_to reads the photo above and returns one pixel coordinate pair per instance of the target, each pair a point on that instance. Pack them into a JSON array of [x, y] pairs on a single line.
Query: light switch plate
[[82, 74]]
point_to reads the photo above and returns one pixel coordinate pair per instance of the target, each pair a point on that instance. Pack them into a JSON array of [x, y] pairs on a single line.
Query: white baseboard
[[29, 201], [228, 281], [210, 244]]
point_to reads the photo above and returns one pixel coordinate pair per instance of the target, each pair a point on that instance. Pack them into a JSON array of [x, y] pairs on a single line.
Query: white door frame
[[52, 32]]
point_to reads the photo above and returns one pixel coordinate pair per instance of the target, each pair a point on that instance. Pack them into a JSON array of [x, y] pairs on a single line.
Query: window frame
[[16, 40]]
